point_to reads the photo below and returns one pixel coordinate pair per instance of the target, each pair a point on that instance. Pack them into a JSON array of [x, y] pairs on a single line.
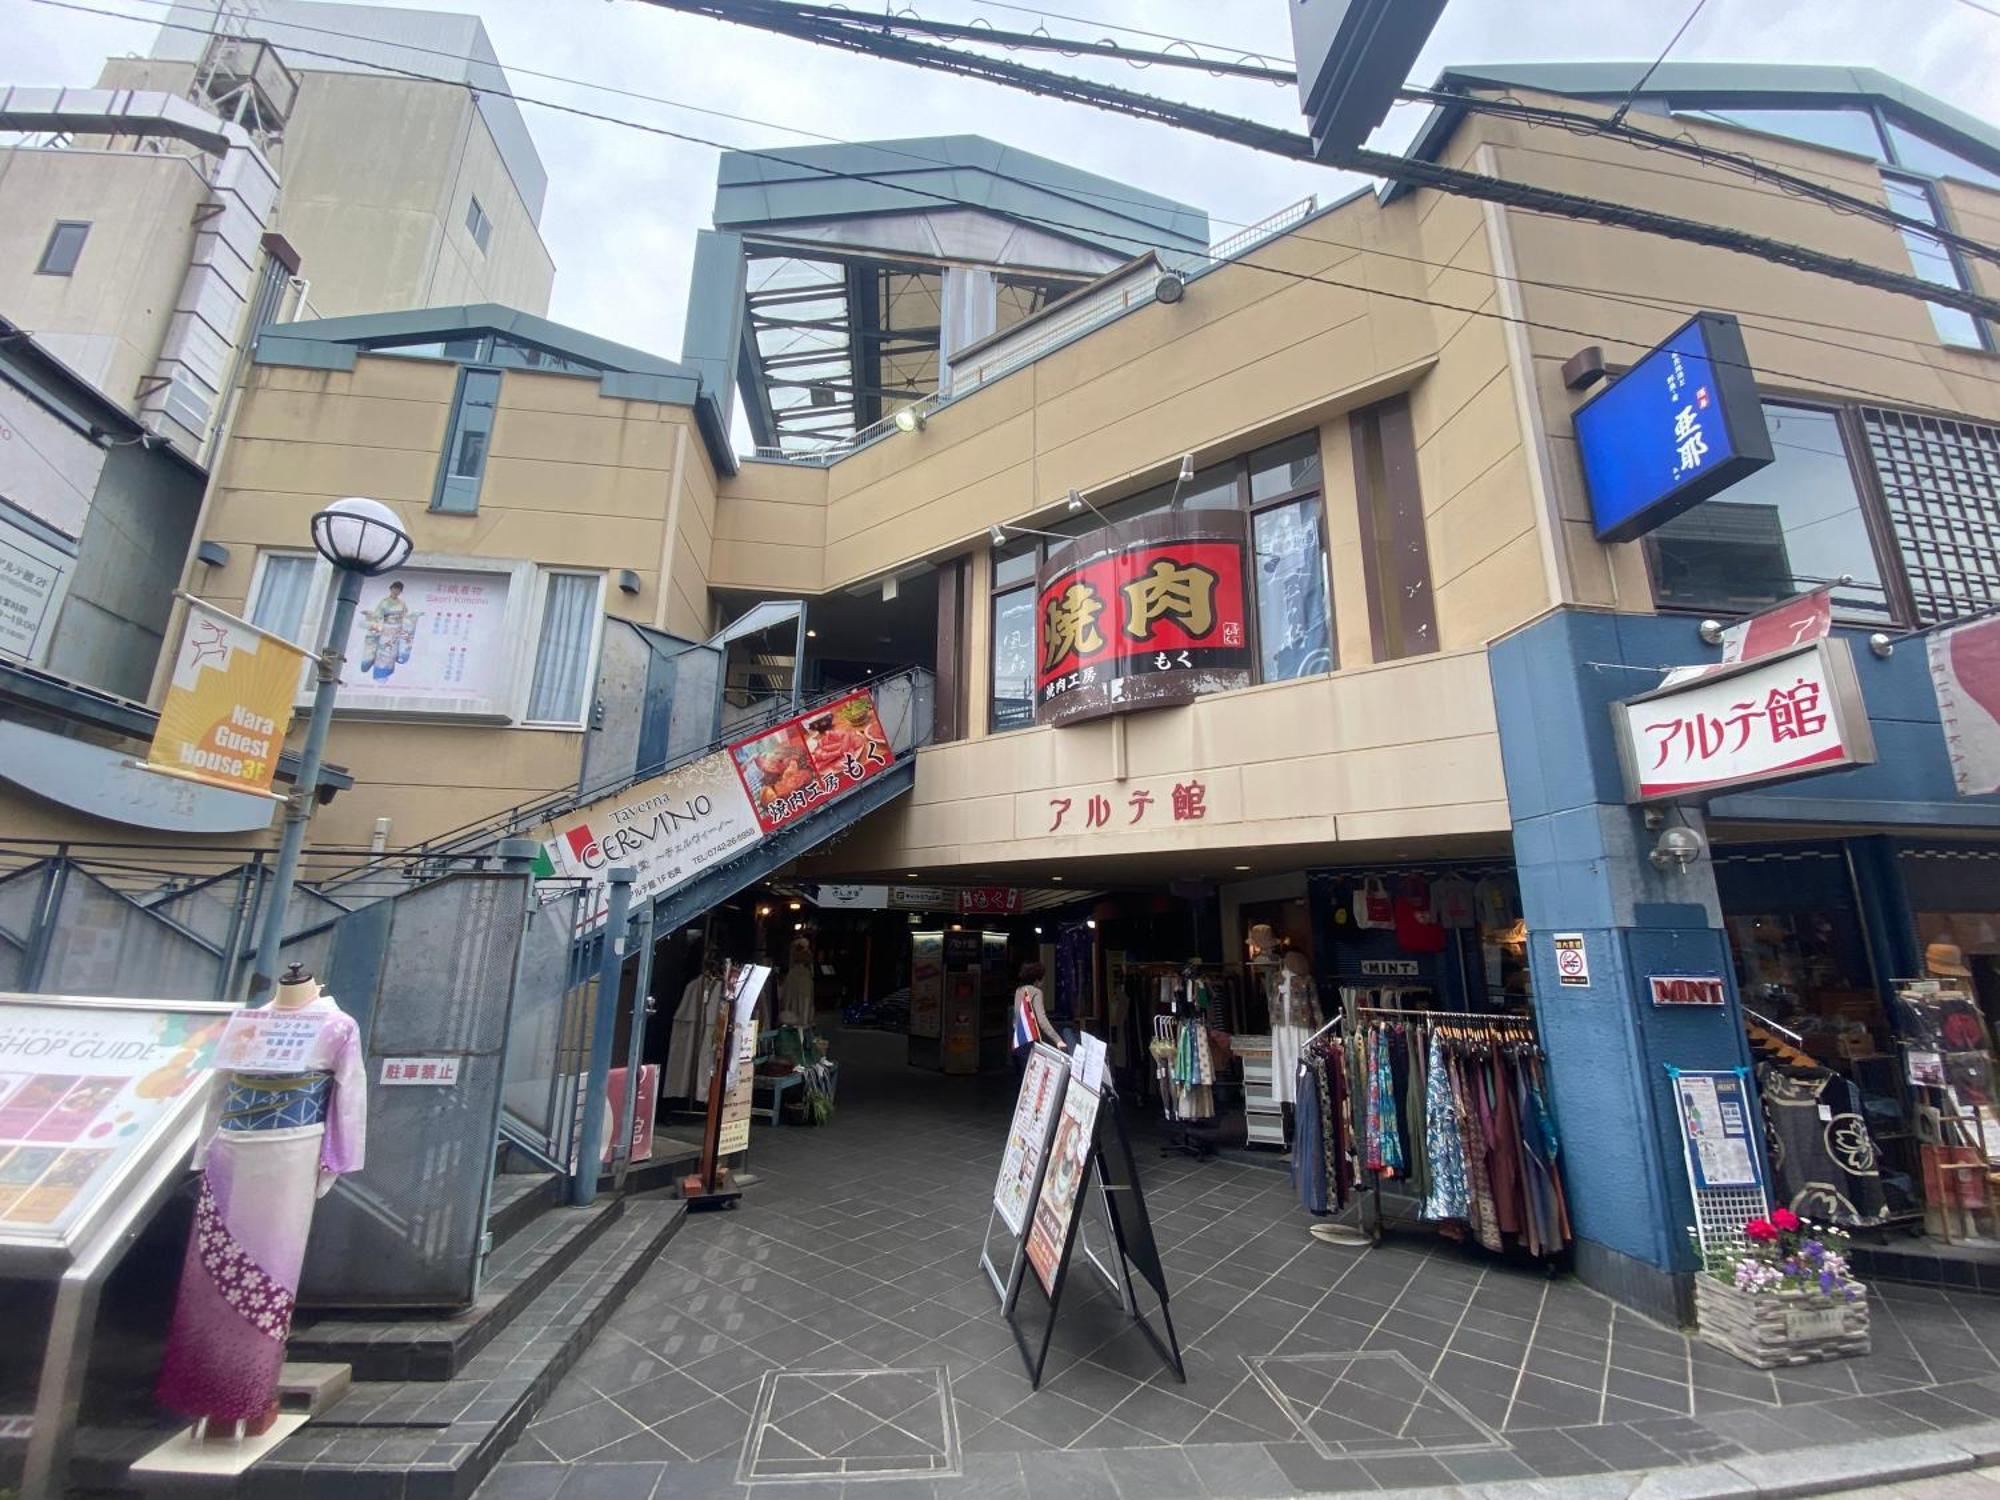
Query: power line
[[1041, 40], [829, 174], [1618, 115], [1158, 36], [1985, 10], [783, 19], [1589, 126]]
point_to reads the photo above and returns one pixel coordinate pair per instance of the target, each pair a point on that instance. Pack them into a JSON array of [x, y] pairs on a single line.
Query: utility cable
[[1042, 41], [1574, 123], [1158, 36], [1618, 114], [768, 15], [1809, 381], [1585, 125]]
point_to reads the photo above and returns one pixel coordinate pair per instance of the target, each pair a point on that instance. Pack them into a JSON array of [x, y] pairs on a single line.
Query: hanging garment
[[1485, 1224], [1442, 1145], [685, 1041], [1825, 1168], [1395, 1045], [1309, 1141], [1544, 1237], [1415, 1085], [1294, 1017], [274, 1144], [1387, 1123], [1503, 1160]]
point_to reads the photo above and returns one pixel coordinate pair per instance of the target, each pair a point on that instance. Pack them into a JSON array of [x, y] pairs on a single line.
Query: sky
[[623, 204]]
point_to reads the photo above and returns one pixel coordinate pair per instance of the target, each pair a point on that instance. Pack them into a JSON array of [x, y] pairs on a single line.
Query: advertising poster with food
[[1062, 1184], [1028, 1137], [81, 1087], [795, 766]]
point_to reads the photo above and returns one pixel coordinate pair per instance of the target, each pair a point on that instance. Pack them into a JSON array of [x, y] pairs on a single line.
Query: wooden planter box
[[1770, 1329]]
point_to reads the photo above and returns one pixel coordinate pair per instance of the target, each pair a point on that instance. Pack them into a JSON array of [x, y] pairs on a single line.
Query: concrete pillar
[[1584, 869]]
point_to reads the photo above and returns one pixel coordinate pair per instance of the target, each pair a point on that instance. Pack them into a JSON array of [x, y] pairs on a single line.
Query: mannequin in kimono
[[287, 1117]]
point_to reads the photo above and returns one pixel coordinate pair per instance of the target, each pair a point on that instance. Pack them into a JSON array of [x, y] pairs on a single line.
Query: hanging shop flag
[[1965, 669], [1798, 621], [1682, 424], [1142, 614], [1793, 713], [795, 766], [228, 705]]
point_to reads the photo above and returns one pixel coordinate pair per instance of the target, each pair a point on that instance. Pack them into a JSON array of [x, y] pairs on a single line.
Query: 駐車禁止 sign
[[1794, 713]]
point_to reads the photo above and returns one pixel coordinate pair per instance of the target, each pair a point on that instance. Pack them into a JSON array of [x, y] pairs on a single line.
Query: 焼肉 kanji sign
[[1145, 613], [1790, 714]]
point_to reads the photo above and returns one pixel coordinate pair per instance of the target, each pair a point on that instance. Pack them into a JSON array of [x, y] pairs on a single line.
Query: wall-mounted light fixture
[[1169, 288], [909, 419], [628, 581]]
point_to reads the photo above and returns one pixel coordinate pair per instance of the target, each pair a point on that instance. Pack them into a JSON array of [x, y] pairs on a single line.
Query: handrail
[[525, 814]]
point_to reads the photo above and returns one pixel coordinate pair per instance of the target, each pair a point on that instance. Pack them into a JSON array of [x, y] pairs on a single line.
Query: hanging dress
[[1442, 1143], [280, 1130]]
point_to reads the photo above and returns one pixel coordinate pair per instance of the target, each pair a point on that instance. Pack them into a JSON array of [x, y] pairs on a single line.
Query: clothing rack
[[1190, 1136], [1505, 1030]]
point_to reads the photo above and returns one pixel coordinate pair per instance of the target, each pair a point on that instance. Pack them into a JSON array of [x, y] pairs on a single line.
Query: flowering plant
[[1787, 1254]]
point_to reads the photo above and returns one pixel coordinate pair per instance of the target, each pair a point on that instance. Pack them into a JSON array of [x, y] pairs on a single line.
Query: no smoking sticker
[[1572, 963]]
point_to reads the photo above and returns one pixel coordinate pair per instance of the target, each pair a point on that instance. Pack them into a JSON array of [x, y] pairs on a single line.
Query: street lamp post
[[361, 538]]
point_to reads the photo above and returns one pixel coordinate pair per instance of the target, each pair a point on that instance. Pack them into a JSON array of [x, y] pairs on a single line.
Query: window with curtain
[[562, 650], [1294, 636], [282, 590], [464, 465]]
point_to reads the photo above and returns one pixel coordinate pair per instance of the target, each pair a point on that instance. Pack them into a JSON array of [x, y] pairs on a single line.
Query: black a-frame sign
[[1116, 1173]]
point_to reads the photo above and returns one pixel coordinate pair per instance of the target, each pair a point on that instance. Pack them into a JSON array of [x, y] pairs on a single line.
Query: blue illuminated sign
[[1680, 425]]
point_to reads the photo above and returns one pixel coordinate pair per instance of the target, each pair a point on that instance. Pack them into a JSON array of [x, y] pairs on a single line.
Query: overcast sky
[[623, 204]]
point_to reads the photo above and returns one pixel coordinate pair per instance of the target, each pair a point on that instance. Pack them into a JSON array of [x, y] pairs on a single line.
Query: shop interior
[[1208, 994], [1869, 972]]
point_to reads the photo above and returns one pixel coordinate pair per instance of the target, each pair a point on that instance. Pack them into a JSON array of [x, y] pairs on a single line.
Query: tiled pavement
[[836, 1332]]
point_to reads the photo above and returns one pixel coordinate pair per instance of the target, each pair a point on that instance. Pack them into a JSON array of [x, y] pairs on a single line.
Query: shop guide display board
[[1066, 1133], [101, 1100]]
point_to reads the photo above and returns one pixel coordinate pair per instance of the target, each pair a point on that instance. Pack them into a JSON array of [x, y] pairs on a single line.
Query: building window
[[1395, 551], [1933, 260], [1280, 488], [471, 432], [1294, 635], [64, 249], [1941, 484], [278, 603], [477, 224], [1793, 525], [562, 649]]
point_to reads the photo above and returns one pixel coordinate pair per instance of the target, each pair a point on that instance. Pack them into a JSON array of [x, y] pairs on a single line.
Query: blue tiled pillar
[[1582, 854]]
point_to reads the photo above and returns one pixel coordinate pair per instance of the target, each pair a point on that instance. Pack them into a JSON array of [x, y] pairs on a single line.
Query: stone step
[[519, 1198], [418, 1347], [417, 1441]]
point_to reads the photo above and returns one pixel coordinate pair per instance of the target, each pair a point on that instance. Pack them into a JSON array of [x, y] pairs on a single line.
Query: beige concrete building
[[1320, 488], [143, 242]]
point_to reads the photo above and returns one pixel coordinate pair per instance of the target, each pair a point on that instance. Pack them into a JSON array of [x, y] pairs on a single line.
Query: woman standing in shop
[[1031, 1020]]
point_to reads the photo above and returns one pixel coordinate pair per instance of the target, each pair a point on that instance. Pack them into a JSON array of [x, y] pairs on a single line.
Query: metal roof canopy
[[1713, 85], [861, 262]]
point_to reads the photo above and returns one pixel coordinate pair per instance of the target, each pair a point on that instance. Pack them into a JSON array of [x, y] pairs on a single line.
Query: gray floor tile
[[1154, 1474]]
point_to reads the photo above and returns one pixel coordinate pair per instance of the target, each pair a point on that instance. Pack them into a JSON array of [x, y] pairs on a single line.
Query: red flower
[[1760, 1230], [1785, 1219]]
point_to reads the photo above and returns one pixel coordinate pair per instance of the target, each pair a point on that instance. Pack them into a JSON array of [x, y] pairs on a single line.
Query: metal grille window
[[1941, 483]]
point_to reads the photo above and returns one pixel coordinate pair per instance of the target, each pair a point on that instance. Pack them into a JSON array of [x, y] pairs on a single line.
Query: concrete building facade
[[1374, 392]]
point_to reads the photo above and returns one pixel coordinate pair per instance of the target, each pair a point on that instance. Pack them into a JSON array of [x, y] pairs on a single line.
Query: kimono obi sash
[[259, 1101]]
